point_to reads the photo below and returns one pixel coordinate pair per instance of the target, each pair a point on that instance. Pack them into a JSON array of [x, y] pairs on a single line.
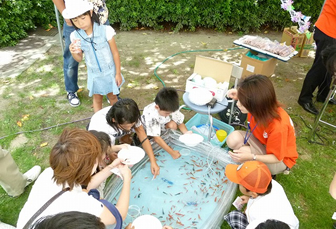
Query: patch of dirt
[[142, 54], [18, 142], [142, 51]]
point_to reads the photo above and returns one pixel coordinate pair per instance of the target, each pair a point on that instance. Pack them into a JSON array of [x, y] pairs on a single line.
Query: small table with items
[[219, 106]]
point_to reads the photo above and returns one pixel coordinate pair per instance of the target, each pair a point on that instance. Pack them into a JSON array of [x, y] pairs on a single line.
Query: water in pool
[[185, 193]]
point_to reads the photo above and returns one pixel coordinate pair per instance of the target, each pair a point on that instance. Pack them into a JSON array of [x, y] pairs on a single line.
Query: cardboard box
[[216, 69], [254, 66], [292, 37], [306, 45]]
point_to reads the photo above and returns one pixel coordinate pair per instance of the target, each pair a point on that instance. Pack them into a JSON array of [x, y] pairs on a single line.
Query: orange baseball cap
[[253, 175]]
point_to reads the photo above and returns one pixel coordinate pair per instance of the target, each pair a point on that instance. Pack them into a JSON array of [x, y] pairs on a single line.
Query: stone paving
[[15, 60]]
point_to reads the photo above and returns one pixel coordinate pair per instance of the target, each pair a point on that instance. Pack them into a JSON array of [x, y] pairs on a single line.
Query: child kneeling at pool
[[265, 198], [164, 114]]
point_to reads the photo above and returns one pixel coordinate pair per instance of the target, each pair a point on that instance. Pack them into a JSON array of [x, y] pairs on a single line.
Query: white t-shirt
[[98, 122], [110, 33], [274, 205], [155, 123], [45, 188]]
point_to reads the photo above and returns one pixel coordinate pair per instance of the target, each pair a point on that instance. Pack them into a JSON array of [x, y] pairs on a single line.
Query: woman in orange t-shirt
[[270, 137]]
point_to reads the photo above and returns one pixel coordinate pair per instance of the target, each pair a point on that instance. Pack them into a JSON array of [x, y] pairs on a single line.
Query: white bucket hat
[[75, 8]]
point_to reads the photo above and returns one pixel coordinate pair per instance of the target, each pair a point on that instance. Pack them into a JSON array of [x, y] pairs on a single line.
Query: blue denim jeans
[[70, 65]]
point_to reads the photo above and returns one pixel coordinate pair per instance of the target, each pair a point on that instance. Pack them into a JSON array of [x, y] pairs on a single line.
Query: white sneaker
[[73, 99], [32, 174]]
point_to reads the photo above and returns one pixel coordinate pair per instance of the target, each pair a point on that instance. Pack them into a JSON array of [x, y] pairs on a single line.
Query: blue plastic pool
[[189, 191]]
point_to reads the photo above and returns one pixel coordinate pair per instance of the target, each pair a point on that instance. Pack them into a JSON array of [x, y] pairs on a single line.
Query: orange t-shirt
[[278, 136], [327, 20]]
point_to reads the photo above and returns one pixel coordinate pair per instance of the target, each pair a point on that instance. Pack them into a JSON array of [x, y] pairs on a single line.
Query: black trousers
[[317, 76]]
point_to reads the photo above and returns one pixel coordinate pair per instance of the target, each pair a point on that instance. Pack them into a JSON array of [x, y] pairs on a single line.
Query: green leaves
[[246, 16], [19, 16]]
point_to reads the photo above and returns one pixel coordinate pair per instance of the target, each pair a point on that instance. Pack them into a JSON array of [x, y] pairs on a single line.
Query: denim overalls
[[99, 61]]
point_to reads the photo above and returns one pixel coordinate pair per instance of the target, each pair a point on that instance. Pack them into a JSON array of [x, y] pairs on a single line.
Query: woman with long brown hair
[[270, 136]]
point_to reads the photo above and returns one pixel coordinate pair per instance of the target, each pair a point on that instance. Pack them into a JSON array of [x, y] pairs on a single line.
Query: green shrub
[[43, 13], [246, 16], [14, 21], [19, 16]]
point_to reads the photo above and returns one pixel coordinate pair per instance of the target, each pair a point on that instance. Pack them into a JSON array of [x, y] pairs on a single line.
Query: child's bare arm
[[174, 153], [332, 188], [98, 178], [60, 5], [148, 149], [116, 58], [102, 175], [182, 127]]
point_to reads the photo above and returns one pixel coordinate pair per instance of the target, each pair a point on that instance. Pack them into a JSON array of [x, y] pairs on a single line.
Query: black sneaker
[[73, 99]]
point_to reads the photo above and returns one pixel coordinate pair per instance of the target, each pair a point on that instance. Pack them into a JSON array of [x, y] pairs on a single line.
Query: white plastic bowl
[[191, 139], [147, 222], [210, 82], [200, 96], [131, 155]]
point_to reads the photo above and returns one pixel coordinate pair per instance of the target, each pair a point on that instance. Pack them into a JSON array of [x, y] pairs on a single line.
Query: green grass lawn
[[39, 93]]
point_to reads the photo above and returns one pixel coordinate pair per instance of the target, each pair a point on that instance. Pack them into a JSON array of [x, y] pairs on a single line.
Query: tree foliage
[[19, 16]]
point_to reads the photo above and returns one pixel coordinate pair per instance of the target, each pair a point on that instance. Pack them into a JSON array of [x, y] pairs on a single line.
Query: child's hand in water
[[155, 169], [188, 132], [175, 154]]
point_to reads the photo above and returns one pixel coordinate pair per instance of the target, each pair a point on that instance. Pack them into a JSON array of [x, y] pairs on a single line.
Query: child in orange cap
[[265, 197]]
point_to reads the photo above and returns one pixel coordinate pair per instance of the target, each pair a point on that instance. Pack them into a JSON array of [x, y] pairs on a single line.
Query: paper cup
[[185, 152], [77, 45], [134, 211]]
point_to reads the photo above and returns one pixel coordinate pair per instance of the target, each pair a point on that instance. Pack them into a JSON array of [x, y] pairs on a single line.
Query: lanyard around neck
[[94, 51], [248, 131], [93, 48]]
